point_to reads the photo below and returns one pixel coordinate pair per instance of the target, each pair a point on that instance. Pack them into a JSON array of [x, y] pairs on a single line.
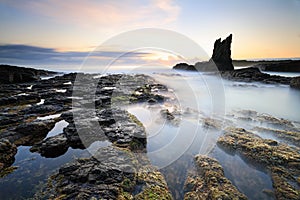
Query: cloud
[[103, 13], [17, 53]]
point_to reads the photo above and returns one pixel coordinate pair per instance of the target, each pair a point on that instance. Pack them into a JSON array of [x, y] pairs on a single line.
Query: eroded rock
[[280, 159], [209, 182], [8, 151], [14, 74], [222, 54], [112, 173]]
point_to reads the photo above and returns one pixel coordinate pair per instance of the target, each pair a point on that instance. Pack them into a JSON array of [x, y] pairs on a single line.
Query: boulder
[[52, 147]]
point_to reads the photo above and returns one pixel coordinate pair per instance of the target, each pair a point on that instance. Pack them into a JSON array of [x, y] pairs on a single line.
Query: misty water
[[171, 145], [195, 97]]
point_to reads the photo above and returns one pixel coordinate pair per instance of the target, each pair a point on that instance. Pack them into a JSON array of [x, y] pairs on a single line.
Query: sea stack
[[222, 54], [220, 60]]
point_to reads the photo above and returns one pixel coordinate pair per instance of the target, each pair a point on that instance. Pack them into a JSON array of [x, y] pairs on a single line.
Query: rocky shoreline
[[221, 64], [111, 176], [121, 170]]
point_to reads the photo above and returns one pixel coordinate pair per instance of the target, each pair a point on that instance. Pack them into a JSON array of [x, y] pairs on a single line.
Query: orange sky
[[261, 29]]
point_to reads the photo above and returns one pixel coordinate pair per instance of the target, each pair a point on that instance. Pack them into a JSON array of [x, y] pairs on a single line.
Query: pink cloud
[[103, 13]]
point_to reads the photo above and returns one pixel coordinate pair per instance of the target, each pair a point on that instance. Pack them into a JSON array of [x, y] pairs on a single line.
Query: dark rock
[[152, 101], [35, 127], [114, 125], [184, 66], [14, 74], [32, 132], [220, 60], [43, 109], [122, 128], [112, 173], [7, 153], [280, 159], [280, 66], [167, 114], [209, 182], [51, 147], [222, 54], [253, 74], [19, 99], [295, 82]]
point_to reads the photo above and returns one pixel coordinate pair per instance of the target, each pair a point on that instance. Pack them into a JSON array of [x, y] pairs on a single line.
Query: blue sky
[[70, 29]]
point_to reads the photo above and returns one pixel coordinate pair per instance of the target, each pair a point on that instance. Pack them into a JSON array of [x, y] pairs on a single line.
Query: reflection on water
[[286, 74], [172, 146], [41, 102], [253, 183], [277, 100], [58, 128], [32, 173], [48, 117]]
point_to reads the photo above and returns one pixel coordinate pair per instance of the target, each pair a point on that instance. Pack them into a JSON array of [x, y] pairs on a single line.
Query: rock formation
[[209, 182], [222, 54], [253, 74], [280, 66], [7, 153], [220, 60], [14, 74], [115, 174], [281, 160]]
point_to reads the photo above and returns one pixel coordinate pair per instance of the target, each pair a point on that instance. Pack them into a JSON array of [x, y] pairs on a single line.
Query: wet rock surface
[[7, 154], [253, 74], [110, 124], [112, 173], [209, 182], [121, 170], [117, 172], [281, 160]]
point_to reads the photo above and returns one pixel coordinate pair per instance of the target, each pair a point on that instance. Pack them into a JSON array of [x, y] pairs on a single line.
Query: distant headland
[[222, 62]]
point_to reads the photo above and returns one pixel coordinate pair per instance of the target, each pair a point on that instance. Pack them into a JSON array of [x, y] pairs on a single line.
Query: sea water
[[172, 146]]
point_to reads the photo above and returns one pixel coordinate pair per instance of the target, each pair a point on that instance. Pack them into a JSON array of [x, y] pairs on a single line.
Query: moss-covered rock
[[289, 136], [112, 173], [7, 155], [208, 182], [281, 160]]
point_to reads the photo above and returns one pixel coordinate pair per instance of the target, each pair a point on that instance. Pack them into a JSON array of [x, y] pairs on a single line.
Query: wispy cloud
[[103, 13], [33, 54]]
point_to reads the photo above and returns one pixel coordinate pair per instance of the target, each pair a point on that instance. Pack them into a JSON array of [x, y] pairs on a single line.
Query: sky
[[66, 31]]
